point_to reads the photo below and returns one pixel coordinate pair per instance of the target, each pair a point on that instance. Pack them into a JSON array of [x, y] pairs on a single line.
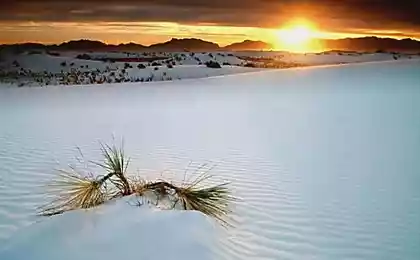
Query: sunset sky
[[221, 21]]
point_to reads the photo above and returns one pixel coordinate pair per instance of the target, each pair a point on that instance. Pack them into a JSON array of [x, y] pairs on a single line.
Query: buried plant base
[[72, 190]]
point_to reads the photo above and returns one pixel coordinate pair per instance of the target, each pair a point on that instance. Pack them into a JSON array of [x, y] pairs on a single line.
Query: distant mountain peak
[[191, 44], [249, 45]]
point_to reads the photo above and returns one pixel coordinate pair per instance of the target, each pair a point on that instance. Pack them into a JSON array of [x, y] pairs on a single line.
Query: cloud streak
[[330, 14]]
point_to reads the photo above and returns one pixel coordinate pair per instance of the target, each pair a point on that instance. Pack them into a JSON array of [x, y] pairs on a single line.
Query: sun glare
[[297, 37]]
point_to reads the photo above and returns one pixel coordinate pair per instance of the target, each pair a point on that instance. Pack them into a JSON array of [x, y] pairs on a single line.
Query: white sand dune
[[93, 235], [324, 162], [52, 70]]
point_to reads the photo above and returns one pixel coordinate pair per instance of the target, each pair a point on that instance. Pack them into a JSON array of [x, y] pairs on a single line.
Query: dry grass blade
[[116, 164], [213, 201], [73, 191]]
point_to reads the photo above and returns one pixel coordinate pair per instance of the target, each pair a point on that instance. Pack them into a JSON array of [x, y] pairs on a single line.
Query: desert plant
[[71, 190], [170, 66], [141, 66], [53, 53], [83, 56], [213, 64], [250, 65]]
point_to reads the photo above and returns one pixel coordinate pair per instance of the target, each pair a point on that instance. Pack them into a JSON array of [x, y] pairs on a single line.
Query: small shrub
[[141, 66], [170, 66], [72, 64], [53, 54], [83, 56], [156, 68], [63, 64], [230, 54], [156, 64], [211, 55], [213, 64], [250, 65], [226, 64], [34, 52]]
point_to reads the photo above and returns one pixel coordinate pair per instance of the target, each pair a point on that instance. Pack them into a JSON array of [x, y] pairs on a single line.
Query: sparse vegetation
[[213, 64], [127, 66], [56, 54], [141, 66], [84, 56], [250, 65], [34, 52], [72, 190]]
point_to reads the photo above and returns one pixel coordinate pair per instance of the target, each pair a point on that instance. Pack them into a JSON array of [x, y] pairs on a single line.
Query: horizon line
[[194, 38]]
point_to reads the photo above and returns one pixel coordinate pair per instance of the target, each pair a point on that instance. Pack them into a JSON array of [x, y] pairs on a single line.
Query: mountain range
[[192, 44]]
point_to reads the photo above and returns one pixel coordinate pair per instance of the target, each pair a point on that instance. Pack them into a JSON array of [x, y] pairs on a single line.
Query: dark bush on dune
[[250, 65], [170, 66], [156, 64], [156, 68], [53, 53], [63, 64], [83, 56], [230, 54], [141, 66], [226, 64], [127, 66], [34, 52], [213, 64]]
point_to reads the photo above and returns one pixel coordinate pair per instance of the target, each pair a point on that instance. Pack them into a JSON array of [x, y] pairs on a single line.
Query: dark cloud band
[[330, 14]]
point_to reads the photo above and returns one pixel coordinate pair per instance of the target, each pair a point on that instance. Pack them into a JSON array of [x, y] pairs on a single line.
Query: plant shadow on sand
[[72, 190]]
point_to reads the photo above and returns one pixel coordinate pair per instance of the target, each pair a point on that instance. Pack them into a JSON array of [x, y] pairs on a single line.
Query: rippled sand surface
[[324, 161]]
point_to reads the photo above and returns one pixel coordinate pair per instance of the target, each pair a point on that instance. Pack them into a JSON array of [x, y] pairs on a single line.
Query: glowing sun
[[297, 37]]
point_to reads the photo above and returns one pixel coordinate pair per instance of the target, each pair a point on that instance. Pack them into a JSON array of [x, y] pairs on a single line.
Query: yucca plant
[[115, 163], [73, 191]]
